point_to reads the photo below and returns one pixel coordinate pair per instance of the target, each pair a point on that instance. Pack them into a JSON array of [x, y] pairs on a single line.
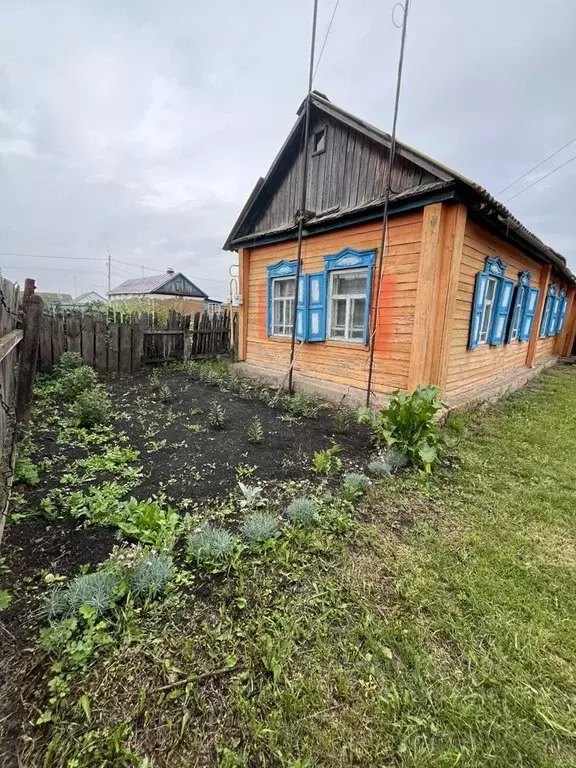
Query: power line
[[538, 165], [541, 178], [326, 38]]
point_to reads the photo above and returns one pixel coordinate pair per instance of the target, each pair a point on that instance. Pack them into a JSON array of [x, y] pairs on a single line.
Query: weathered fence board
[[113, 343]]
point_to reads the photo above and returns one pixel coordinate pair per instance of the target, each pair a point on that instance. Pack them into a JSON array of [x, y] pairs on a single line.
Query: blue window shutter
[[301, 320], [553, 324], [269, 307], [501, 311], [562, 313], [477, 308], [317, 306], [528, 314]]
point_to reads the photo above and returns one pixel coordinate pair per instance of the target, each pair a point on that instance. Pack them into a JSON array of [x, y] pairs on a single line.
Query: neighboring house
[[55, 299], [91, 297], [469, 300], [213, 306], [173, 289]]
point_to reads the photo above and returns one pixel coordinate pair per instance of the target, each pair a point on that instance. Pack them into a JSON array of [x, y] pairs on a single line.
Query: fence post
[[33, 306]]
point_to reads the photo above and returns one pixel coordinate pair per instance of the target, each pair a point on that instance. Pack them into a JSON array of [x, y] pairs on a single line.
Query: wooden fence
[[19, 326], [116, 343]]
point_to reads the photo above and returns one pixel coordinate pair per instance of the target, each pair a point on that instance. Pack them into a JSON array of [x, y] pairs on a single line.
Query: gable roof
[[55, 298], [163, 283], [438, 182], [89, 297]]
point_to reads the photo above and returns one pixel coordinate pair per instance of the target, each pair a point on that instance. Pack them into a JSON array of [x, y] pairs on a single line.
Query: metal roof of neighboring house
[[54, 298], [154, 284], [476, 198]]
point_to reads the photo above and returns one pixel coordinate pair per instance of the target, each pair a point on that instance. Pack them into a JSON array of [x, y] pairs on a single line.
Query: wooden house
[[469, 300], [171, 290]]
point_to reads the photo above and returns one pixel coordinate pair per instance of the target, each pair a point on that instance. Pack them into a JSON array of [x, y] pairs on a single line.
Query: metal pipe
[[386, 204], [302, 210]]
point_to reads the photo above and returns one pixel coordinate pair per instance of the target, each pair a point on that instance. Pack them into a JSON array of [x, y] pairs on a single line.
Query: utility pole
[[75, 290], [109, 273]]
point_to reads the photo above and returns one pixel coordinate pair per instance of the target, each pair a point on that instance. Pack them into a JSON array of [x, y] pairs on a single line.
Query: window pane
[[338, 322], [284, 287], [353, 283], [491, 289], [358, 314]]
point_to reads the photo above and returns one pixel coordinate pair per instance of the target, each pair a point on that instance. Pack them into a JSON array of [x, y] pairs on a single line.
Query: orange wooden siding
[[468, 368], [344, 363]]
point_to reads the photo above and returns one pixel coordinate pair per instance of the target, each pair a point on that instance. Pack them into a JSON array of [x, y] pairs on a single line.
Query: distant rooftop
[[170, 283]]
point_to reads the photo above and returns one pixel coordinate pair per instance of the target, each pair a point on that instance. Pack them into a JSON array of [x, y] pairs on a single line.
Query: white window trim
[[283, 300], [348, 296], [489, 305]]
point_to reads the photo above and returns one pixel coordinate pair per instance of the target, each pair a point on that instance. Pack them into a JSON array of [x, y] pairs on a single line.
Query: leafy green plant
[[327, 462], [255, 433], [251, 496], [151, 521], [217, 416], [25, 471], [73, 382], [303, 512], [260, 527], [68, 362], [302, 404], [165, 393], [354, 485], [210, 546], [408, 425], [5, 599], [342, 419], [150, 576], [91, 407]]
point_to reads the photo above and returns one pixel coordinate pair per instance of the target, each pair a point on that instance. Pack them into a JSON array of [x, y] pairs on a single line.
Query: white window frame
[[489, 305], [286, 301], [518, 313], [349, 297]]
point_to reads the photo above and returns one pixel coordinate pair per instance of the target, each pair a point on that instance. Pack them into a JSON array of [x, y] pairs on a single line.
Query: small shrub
[[260, 527], [303, 512], [354, 485], [408, 425], [209, 545], [91, 407], [55, 604], [72, 383], [154, 381], [327, 462], [26, 471], [397, 460], [69, 361], [255, 433], [379, 468], [164, 393], [150, 576], [94, 589], [217, 416], [342, 419], [302, 404]]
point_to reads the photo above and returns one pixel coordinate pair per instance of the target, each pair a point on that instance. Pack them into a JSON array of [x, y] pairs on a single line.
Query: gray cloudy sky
[[141, 126]]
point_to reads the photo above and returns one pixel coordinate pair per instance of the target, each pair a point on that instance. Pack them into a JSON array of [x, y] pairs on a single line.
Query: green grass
[[442, 632]]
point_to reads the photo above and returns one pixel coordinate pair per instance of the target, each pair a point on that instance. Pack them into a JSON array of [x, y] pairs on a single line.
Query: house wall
[[469, 368], [341, 363], [186, 305]]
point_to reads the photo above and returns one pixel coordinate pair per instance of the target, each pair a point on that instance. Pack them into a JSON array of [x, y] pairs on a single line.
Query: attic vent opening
[[319, 142]]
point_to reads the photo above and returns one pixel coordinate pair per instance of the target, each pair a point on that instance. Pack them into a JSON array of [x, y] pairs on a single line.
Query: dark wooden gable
[[349, 173], [181, 286]]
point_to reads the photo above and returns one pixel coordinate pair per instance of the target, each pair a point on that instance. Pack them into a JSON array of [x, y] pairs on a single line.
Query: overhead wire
[[326, 38], [391, 156], [541, 178], [538, 165]]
